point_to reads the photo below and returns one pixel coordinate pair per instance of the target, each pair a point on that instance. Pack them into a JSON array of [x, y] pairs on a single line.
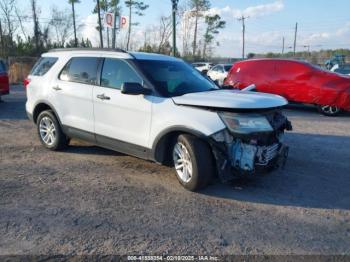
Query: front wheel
[[329, 110], [193, 162]]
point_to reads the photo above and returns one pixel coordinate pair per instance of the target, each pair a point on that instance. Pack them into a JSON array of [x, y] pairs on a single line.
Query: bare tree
[[165, 31], [135, 7], [187, 26], [7, 8], [20, 21], [62, 23], [198, 7]]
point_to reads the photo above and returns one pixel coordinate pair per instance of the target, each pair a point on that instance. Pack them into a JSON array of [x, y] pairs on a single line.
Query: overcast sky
[[323, 24]]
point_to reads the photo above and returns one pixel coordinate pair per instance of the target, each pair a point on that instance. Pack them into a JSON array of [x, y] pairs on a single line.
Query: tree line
[[197, 28]]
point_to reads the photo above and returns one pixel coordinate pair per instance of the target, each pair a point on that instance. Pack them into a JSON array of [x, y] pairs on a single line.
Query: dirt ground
[[88, 200]]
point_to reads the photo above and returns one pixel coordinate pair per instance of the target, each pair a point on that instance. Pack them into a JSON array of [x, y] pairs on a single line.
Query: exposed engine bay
[[240, 153]]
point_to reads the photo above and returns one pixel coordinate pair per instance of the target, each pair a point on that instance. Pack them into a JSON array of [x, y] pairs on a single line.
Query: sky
[[322, 24]]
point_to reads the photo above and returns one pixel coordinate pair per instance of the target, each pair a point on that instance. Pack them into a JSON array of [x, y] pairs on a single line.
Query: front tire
[[193, 162], [329, 110], [50, 132]]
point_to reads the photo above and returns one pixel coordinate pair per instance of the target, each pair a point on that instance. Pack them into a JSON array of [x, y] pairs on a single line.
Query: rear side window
[[80, 70], [116, 72], [43, 66]]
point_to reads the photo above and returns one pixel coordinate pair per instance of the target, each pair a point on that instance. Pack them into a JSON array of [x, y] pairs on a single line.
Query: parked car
[[294, 80], [343, 70], [4, 80], [219, 73], [203, 67], [158, 108]]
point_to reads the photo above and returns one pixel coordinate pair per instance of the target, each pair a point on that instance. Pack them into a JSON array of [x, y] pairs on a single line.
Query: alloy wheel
[[182, 162], [47, 131], [331, 110]]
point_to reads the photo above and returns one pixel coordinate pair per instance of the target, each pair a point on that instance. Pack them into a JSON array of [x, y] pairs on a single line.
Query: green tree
[[135, 7], [198, 8], [107, 6], [214, 24], [73, 2]]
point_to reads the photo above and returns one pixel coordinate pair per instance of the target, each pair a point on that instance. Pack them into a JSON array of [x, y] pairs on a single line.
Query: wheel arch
[[42, 106], [161, 150]]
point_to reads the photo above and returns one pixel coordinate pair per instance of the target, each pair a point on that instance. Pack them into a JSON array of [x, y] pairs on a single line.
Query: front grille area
[[266, 153]]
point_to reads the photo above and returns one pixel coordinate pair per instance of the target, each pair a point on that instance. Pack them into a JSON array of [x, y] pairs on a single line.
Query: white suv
[[158, 108]]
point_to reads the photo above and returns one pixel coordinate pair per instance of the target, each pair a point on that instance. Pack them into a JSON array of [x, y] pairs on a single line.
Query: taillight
[[26, 82]]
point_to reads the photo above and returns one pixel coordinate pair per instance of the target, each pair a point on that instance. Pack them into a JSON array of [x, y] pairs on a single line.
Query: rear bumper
[[30, 116]]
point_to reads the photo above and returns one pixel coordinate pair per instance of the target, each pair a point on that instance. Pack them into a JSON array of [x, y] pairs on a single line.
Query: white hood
[[231, 99]]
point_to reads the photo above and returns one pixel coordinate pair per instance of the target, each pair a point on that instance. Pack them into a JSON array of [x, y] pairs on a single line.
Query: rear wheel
[[329, 110], [50, 132], [193, 162]]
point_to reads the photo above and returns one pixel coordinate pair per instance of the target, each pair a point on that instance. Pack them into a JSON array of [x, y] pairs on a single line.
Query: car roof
[[273, 60], [120, 53]]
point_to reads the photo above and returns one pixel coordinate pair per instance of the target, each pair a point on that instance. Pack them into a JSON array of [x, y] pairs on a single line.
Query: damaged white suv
[[158, 108]]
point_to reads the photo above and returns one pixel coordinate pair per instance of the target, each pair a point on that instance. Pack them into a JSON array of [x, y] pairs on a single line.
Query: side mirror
[[134, 89]]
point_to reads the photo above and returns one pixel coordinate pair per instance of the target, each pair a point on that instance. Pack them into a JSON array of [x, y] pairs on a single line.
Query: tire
[[329, 110], [199, 162], [50, 132]]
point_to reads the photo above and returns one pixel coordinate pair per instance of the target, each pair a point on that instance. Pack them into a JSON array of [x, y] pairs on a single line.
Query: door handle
[[56, 88], [103, 97]]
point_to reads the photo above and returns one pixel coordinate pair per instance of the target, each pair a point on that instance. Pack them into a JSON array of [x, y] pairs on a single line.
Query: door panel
[[123, 117], [73, 103], [126, 118], [72, 93]]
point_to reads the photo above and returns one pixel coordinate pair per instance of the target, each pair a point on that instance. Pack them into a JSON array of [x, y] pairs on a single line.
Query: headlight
[[245, 123]]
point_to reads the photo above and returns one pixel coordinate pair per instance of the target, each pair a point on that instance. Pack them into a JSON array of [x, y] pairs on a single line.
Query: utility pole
[[308, 49], [295, 38], [283, 46], [174, 10], [99, 23], [74, 26], [242, 19], [114, 30]]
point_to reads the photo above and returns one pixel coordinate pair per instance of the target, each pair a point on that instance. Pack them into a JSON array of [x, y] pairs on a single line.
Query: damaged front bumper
[[238, 155]]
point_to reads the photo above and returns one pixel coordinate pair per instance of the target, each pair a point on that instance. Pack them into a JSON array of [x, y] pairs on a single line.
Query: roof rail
[[87, 49]]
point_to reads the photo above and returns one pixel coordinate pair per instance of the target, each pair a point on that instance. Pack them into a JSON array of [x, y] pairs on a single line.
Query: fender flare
[[49, 105], [163, 139]]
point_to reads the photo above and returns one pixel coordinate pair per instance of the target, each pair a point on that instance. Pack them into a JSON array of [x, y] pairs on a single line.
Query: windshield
[[175, 78], [227, 67]]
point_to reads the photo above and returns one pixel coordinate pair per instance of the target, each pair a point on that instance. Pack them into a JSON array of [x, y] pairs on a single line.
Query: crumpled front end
[[240, 154]]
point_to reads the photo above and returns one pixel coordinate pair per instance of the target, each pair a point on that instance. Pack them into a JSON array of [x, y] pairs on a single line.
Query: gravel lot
[[88, 200]]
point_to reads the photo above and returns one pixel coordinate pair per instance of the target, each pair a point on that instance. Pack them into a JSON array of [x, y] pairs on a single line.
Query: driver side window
[[116, 72]]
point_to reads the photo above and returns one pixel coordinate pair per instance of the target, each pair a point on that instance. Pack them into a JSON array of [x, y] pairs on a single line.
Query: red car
[[4, 80], [296, 81]]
